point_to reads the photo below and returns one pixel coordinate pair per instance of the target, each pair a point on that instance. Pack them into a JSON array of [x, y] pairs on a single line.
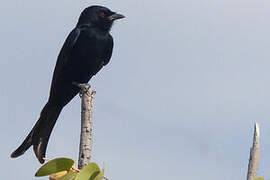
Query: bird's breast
[[91, 48], [89, 55]]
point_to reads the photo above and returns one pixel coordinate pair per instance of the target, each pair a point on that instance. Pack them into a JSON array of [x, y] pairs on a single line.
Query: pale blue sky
[[186, 82]]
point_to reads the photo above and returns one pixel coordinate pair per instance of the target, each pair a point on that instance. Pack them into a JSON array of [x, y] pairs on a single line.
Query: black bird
[[86, 50]]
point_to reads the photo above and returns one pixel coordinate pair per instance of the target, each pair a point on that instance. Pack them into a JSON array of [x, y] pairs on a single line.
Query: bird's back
[[91, 51]]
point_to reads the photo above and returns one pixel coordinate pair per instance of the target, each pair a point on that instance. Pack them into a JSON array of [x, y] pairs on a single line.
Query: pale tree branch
[[87, 96], [254, 154]]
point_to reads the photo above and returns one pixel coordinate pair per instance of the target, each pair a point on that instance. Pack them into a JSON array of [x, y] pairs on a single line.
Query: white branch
[[87, 96], [254, 154]]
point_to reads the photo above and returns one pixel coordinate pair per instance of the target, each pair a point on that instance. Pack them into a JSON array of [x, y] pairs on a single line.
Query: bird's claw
[[84, 88]]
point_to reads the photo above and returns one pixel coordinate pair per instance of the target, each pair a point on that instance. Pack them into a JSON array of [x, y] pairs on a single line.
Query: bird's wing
[[109, 50], [69, 43], [65, 53]]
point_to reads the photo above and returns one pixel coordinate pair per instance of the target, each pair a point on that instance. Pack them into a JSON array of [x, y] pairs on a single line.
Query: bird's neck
[[103, 26], [84, 25]]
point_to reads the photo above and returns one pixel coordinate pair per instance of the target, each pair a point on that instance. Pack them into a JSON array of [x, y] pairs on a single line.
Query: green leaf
[[257, 178], [54, 166], [100, 175], [69, 176], [89, 172]]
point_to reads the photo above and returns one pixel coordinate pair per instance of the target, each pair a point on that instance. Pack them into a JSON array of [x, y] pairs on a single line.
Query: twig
[[254, 154], [46, 159], [87, 96]]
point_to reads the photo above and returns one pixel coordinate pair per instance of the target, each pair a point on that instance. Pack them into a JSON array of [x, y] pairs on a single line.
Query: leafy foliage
[[64, 169], [69, 176], [89, 171], [100, 175], [54, 166], [258, 178]]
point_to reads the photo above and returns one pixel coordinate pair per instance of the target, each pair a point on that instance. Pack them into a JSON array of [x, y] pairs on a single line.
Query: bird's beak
[[115, 16]]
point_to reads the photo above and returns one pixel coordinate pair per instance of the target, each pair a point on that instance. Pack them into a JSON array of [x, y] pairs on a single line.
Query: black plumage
[[86, 50]]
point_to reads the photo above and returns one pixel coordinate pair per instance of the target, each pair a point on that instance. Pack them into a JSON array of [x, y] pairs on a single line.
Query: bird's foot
[[84, 88]]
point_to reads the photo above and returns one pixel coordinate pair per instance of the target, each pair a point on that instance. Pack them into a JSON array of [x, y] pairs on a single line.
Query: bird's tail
[[40, 134]]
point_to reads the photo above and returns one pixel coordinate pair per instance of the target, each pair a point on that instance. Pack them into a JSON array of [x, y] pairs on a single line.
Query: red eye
[[102, 14]]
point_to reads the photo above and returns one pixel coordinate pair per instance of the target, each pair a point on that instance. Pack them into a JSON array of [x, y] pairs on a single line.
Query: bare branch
[[87, 96], [254, 154]]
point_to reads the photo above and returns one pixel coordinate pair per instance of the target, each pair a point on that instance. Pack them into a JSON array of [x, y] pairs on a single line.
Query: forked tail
[[40, 134]]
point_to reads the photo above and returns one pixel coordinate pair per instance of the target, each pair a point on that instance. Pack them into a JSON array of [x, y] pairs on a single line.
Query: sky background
[[186, 82]]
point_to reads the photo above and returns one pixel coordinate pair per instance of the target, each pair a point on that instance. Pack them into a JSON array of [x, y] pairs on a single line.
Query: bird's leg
[[84, 87]]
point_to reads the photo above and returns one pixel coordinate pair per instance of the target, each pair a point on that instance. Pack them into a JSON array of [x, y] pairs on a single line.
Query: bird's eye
[[102, 14]]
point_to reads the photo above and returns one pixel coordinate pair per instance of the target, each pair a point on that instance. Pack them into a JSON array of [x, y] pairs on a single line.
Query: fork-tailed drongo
[[86, 50]]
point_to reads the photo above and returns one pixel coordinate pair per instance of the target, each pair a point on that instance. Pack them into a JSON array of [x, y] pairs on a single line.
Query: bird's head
[[99, 16]]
